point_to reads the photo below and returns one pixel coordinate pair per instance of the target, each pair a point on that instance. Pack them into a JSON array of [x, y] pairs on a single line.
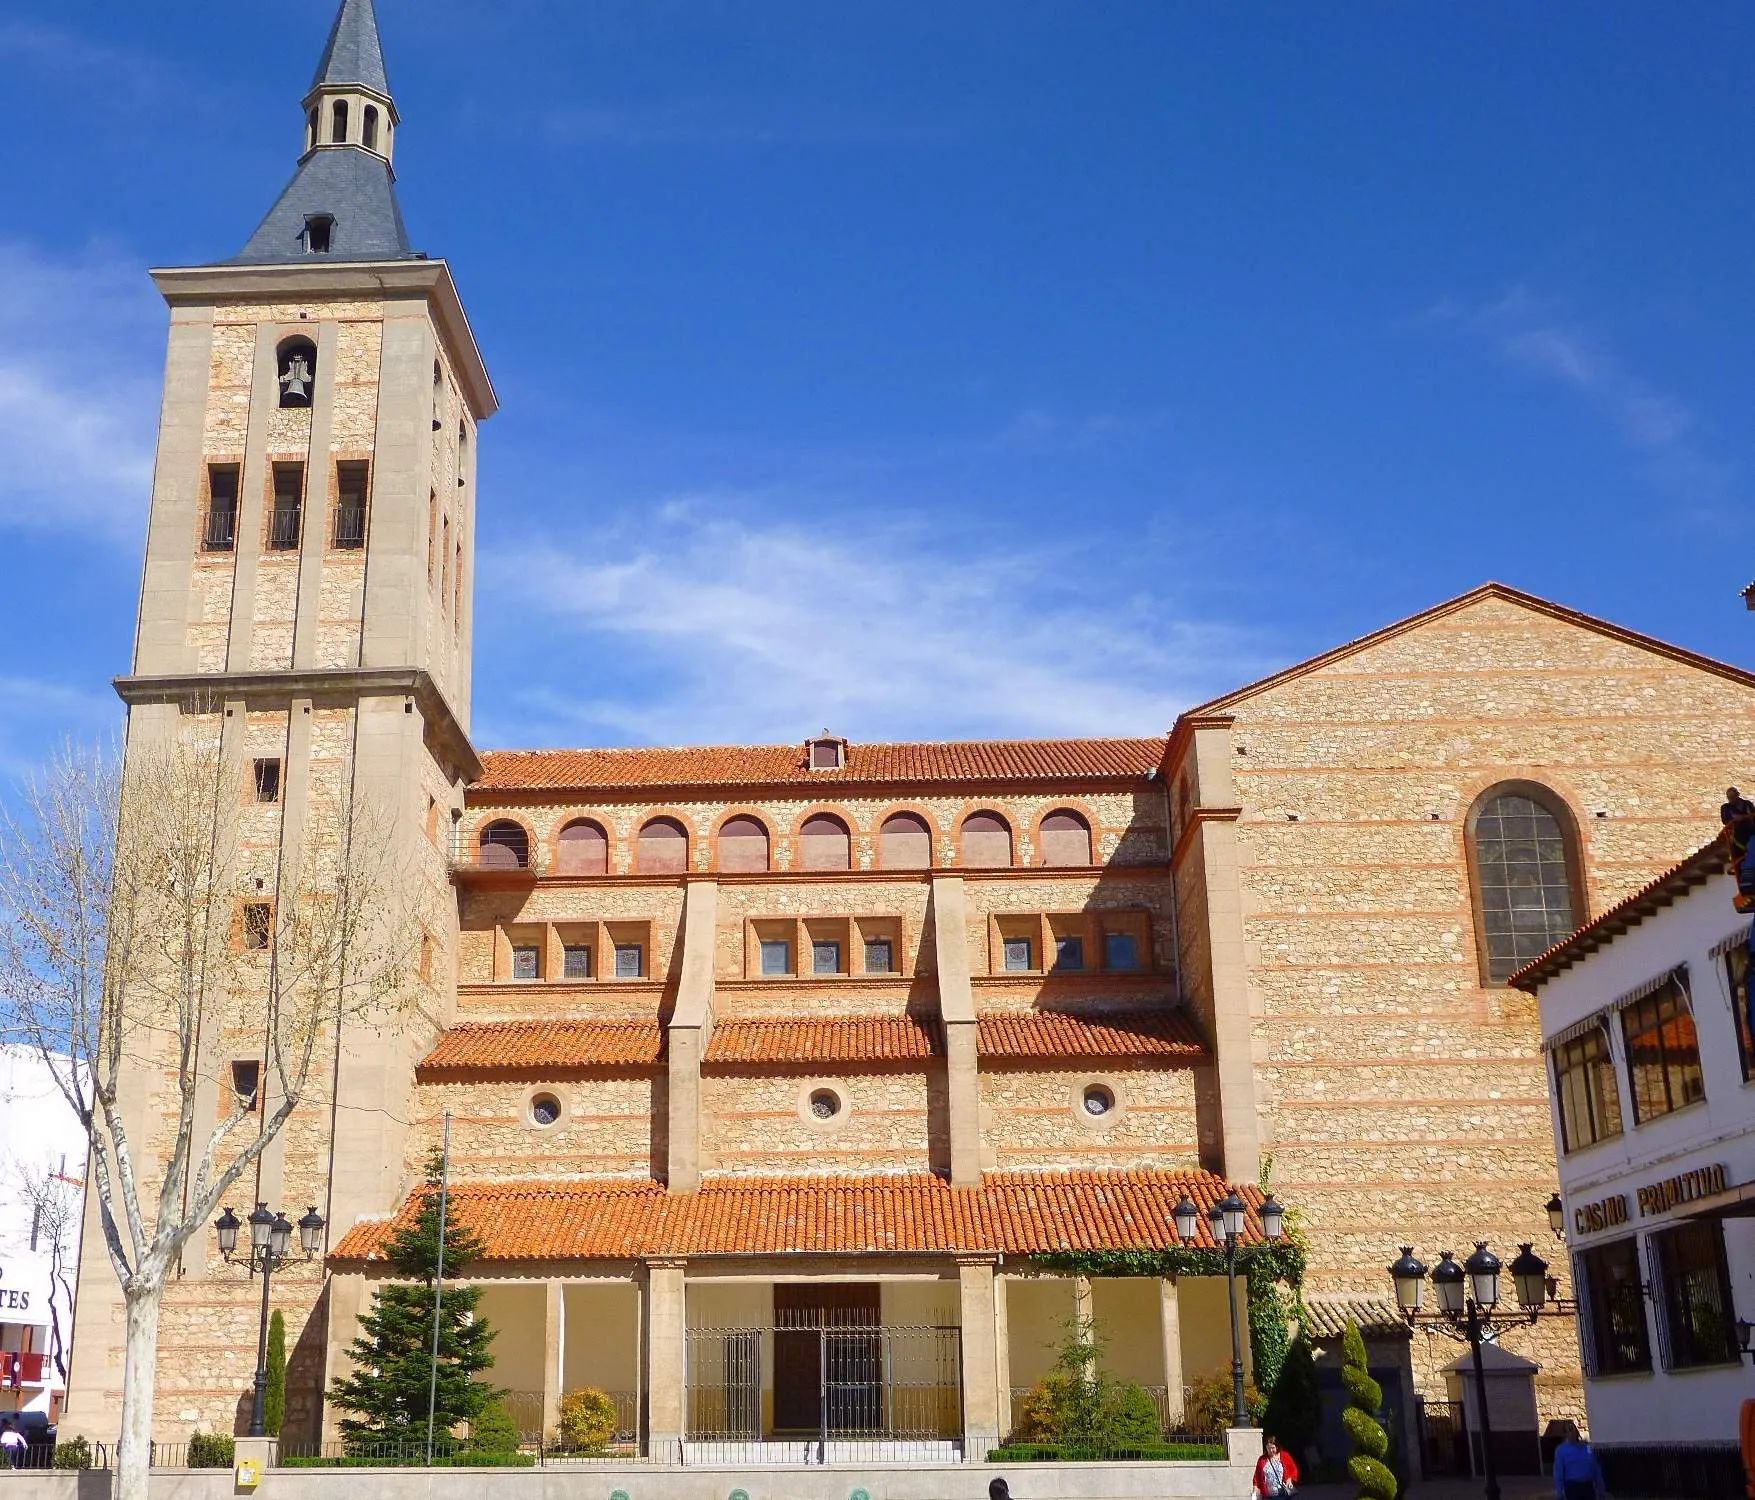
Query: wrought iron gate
[[834, 1381]]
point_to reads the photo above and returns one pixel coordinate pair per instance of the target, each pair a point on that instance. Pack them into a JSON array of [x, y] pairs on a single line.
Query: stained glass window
[[1525, 884]]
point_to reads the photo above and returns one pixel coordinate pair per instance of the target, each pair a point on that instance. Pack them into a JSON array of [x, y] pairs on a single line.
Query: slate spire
[[341, 203], [355, 55]]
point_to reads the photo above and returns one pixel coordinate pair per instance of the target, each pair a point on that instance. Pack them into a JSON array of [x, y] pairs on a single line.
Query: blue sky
[[932, 370]]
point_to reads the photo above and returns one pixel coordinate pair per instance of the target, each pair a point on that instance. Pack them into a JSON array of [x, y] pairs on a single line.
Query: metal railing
[[843, 1390]]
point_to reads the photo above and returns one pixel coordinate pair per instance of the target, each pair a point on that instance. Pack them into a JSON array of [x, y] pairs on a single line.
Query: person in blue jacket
[[1576, 1475]]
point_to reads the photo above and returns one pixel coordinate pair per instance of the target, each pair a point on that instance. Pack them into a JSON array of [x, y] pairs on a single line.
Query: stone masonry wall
[[1400, 1098]]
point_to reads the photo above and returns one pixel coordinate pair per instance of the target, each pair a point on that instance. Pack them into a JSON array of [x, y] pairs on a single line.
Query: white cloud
[[719, 628], [78, 393], [29, 703], [1529, 333]]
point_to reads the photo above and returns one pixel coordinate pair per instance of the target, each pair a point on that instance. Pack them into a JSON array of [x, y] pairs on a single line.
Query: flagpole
[[439, 1285]]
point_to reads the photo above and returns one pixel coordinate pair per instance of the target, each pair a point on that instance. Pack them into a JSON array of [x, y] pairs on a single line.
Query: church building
[[773, 1073]]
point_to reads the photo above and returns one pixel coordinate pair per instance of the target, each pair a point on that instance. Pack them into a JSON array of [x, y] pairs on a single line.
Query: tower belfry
[[307, 598]]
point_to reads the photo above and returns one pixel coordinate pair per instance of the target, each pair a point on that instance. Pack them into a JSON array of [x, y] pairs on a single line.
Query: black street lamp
[[1468, 1302], [1228, 1217], [269, 1249]]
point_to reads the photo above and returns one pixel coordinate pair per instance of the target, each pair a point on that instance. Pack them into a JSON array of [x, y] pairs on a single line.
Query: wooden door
[[801, 1313]]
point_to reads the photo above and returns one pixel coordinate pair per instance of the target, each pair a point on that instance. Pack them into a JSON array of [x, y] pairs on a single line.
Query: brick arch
[[719, 852], [561, 860], [645, 850], [1531, 847], [910, 809], [988, 849], [1083, 811], [500, 819], [824, 811]]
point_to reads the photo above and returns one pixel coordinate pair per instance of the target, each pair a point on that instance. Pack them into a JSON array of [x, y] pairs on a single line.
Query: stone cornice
[[1198, 818], [343, 682]]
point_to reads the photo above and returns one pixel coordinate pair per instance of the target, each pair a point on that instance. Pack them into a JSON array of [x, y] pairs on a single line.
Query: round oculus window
[[1098, 1100], [825, 1104], [545, 1109]]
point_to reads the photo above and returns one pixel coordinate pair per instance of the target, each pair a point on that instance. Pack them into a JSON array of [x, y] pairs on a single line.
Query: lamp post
[[1228, 1217], [269, 1248], [1468, 1310]]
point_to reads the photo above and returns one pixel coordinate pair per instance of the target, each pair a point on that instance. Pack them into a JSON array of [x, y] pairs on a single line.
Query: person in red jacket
[[1275, 1472]]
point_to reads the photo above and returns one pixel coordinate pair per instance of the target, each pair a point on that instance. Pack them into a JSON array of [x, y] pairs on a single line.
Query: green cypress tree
[[1370, 1441], [392, 1357], [1294, 1410], [274, 1400]]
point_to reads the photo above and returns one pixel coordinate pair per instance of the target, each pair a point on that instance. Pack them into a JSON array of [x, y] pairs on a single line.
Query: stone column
[[980, 1357], [690, 1030], [1002, 1351], [1170, 1324], [956, 1005], [554, 1354], [666, 1354]]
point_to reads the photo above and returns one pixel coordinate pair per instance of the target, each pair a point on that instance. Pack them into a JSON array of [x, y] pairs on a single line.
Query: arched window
[[505, 846], [582, 849], [905, 842], [311, 129], [438, 398], [987, 841], [369, 128], [743, 844], [824, 844], [664, 848], [462, 455], [295, 363], [1523, 848], [338, 122], [1066, 839]]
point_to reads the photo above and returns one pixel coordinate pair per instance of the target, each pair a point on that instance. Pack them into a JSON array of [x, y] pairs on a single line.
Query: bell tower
[[308, 588]]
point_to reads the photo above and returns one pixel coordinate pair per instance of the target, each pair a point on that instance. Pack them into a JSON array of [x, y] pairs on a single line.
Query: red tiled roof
[[523, 1046], [1049, 1033], [1013, 1213], [550, 1046], [767, 765], [823, 1039], [1696, 869]]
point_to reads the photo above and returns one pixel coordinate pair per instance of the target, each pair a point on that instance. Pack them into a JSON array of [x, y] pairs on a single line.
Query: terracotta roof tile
[[767, 765], [1012, 1213], [1048, 1033], [823, 1039], [558, 1045], [550, 1046], [1328, 1320]]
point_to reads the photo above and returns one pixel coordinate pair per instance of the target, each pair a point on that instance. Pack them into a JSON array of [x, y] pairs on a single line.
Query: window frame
[[1069, 946], [277, 537], [250, 926], [1734, 958], [1684, 1346], [533, 953], [818, 946], [1557, 807], [265, 780], [568, 950], [889, 947], [1595, 1069], [1110, 938], [251, 1102], [351, 541], [1005, 955], [211, 545], [1676, 986], [639, 952], [773, 958], [1602, 1298]]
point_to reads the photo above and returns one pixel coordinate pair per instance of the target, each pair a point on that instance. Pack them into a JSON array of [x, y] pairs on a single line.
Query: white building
[[1645, 1017], [42, 1167]]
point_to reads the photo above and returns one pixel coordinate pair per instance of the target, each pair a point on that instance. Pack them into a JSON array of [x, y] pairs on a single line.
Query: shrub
[[494, 1431], [1133, 1418], [1370, 1441], [74, 1453], [1294, 1410], [1212, 1403], [211, 1450], [587, 1420], [1060, 1453]]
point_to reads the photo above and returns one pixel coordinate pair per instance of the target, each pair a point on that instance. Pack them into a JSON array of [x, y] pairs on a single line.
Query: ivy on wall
[[1274, 1275]]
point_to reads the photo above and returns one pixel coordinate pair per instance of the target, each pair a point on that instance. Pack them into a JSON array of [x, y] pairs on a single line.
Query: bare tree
[[53, 1200], [135, 929]]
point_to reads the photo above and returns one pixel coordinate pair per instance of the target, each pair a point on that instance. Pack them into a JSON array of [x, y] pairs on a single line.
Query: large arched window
[[1523, 854], [905, 842], [295, 367], [987, 841], [338, 122], [824, 844], [1066, 839], [743, 844], [664, 848], [505, 846], [369, 128], [582, 849]]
